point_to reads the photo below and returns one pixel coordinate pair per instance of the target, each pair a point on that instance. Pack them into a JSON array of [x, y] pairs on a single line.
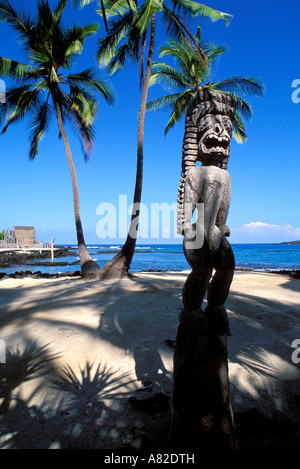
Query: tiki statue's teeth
[[214, 143]]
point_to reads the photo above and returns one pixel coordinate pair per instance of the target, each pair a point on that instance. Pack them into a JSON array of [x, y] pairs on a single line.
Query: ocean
[[257, 257]]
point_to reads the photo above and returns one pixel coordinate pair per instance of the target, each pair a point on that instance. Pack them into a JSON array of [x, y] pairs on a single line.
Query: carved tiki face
[[207, 134], [214, 134], [208, 129]]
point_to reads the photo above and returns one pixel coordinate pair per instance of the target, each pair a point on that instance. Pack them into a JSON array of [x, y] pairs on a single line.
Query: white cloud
[[260, 232]]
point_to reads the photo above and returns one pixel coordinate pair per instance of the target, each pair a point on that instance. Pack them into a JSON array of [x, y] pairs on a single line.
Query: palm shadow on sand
[[265, 401], [81, 407]]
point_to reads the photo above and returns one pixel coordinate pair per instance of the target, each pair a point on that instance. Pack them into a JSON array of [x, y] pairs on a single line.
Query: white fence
[[18, 246]]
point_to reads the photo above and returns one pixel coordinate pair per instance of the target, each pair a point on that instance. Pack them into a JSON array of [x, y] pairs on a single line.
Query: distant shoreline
[[290, 242], [77, 273], [19, 263], [10, 257]]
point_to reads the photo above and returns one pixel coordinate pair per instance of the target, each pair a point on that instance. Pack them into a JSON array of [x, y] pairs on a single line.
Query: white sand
[[111, 335]]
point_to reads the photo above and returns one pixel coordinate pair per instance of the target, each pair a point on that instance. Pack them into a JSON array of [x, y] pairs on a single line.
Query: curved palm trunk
[[88, 266], [120, 264]]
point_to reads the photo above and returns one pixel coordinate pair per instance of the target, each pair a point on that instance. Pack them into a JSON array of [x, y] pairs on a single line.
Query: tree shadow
[[291, 282], [65, 408], [22, 366], [264, 381], [142, 326], [263, 378]]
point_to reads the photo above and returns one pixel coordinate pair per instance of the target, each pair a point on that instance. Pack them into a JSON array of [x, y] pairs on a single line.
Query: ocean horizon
[[259, 257]]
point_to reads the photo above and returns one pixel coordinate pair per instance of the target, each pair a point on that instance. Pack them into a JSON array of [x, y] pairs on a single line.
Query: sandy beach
[[89, 364]]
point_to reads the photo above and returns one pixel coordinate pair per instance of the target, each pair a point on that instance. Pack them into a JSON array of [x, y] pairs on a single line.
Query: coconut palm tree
[[48, 87], [128, 26], [189, 75]]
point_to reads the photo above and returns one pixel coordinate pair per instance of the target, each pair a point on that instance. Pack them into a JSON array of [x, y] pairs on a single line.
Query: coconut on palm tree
[[189, 75], [131, 30], [47, 87]]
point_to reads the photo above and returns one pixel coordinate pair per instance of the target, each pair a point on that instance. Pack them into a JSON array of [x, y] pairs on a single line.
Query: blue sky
[[262, 41]]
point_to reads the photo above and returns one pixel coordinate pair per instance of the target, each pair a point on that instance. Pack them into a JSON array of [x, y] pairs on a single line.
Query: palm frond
[[239, 128], [21, 22], [177, 29], [121, 43], [198, 9], [242, 85], [168, 77], [28, 100], [176, 103], [187, 59], [86, 106], [75, 37], [118, 60], [213, 52], [39, 124], [132, 4], [148, 8], [240, 105], [108, 45], [179, 110], [84, 129], [81, 3], [17, 70], [12, 97], [178, 49], [164, 103], [91, 78], [116, 8], [58, 11], [79, 109], [190, 74], [44, 14]]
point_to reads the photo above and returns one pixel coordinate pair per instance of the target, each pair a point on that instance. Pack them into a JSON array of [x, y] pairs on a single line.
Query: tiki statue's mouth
[[214, 144]]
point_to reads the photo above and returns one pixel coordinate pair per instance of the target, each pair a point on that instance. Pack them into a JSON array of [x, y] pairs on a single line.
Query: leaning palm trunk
[[120, 264], [88, 266]]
